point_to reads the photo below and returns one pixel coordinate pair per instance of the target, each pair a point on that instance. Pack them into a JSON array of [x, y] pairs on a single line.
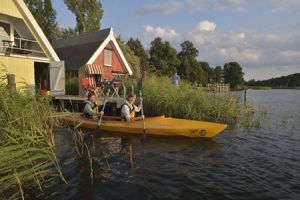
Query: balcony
[[20, 46]]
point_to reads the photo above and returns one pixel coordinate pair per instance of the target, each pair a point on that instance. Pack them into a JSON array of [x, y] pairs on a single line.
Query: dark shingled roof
[[76, 51]]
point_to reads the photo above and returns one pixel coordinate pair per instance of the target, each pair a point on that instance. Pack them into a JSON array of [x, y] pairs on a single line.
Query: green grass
[[160, 97], [72, 85], [27, 157]]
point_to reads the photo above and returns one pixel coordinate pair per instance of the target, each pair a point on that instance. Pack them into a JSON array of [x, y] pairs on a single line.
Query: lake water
[[257, 163]]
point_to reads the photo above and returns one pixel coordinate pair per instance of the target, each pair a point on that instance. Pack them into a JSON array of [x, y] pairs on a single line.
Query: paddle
[[142, 110], [103, 107]]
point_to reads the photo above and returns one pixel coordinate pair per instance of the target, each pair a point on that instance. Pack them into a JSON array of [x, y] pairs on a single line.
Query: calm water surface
[[256, 163]]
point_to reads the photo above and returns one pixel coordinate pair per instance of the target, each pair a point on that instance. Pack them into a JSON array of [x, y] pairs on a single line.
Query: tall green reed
[[72, 84], [161, 97], [27, 158]]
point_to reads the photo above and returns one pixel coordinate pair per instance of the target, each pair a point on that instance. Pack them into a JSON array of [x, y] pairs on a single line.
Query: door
[[57, 77], [41, 76]]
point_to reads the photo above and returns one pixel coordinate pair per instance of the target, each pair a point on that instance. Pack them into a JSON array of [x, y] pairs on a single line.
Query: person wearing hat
[[91, 107], [128, 109]]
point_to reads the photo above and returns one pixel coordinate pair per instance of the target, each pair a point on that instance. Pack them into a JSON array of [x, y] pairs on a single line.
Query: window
[[107, 57], [17, 39], [4, 31]]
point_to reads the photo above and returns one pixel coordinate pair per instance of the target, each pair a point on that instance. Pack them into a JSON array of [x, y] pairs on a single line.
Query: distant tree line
[[292, 80], [164, 60], [161, 58]]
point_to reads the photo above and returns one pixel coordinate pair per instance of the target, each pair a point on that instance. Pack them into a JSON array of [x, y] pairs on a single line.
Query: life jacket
[[131, 110], [94, 108]]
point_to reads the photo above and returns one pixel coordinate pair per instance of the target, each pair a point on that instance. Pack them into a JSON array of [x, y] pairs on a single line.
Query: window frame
[[107, 61]]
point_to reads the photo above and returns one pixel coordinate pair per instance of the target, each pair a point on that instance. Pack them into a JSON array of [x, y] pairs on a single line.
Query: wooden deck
[[76, 103], [83, 98]]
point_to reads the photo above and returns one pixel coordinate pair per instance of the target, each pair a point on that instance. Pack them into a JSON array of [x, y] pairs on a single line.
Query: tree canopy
[[45, 16], [190, 69], [217, 76], [131, 58], [292, 80], [233, 74], [88, 14], [138, 49], [163, 57]]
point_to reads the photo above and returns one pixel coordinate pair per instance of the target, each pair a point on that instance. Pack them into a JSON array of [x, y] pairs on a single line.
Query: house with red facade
[[93, 57]]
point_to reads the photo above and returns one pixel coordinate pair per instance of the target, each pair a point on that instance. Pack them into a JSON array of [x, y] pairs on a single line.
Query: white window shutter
[[57, 77]]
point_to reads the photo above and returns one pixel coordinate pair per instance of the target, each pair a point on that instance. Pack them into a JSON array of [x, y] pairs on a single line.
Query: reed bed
[[72, 84], [160, 97], [27, 158]]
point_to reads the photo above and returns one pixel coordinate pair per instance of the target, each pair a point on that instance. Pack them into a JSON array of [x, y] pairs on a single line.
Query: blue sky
[[263, 36]]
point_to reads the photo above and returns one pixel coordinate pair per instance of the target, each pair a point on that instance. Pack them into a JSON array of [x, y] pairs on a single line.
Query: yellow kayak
[[160, 125]]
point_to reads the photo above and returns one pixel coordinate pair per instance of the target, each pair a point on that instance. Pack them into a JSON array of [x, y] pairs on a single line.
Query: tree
[[233, 74], [88, 14], [138, 49], [163, 57], [217, 74], [292, 80], [209, 71], [190, 69], [188, 50], [133, 60], [251, 82], [45, 16], [198, 75], [68, 32]]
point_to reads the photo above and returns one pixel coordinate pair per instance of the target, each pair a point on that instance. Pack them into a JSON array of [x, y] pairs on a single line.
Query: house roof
[[93, 37], [76, 56], [36, 30], [84, 49]]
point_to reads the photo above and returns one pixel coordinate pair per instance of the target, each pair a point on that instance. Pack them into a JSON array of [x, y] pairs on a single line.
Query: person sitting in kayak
[[128, 109], [91, 107]]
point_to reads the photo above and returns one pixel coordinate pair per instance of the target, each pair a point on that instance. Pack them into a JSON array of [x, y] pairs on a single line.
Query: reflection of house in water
[[25, 51], [93, 58]]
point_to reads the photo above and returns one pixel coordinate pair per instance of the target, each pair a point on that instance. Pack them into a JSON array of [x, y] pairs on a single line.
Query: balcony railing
[[20, 46]]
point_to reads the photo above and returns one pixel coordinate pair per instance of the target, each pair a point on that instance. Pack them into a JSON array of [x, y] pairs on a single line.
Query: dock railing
[[218, 87]]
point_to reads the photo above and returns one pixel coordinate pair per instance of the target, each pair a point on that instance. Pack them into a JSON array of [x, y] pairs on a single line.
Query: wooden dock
[[218, 87], [83, 98], [76, 102]]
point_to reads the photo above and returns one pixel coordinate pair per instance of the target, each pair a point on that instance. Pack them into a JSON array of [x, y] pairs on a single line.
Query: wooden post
[[245, 95], [11, 82]]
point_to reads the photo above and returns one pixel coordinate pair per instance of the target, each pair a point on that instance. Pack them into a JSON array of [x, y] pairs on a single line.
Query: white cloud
[[261, 55], [240, 36], [150, 33], [227, 4], [173, 6], [288, 55], [245, 55], [164, 8], [197, 5], [206, 26], [279, 5]]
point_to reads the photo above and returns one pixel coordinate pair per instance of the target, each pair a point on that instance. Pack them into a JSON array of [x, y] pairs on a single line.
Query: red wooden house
[[93, 57]]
